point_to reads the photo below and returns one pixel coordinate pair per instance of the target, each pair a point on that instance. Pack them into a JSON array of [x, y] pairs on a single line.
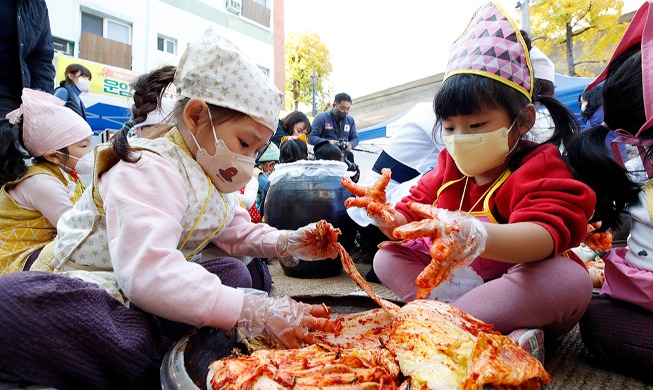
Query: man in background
[[26, 51], [336, 126]]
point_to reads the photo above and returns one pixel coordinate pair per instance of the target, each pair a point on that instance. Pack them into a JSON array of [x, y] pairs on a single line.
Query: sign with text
[[106, 80]]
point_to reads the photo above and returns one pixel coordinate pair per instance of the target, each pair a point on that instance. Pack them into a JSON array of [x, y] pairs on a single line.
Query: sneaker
[[531, 340]]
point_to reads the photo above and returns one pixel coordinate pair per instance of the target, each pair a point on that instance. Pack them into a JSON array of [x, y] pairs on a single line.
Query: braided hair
[[148, 92]]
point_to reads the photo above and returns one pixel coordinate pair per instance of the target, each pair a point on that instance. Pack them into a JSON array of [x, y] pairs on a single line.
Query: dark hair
[[74, 69], [527, 39], [587, 154], [543, 88], [594, 101], [289, 122], [465, 94], [342, 96], [148, 91], [153, 84], [327, 151], [12, 152], [293, 150], [623, 102]]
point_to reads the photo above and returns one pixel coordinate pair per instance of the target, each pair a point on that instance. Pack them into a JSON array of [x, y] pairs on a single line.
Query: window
[[92, 24], [107, 28], [118, 31], [63, 46], [168, 45]]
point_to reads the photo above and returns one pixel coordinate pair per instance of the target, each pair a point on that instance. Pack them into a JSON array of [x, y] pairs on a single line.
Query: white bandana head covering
[[543, 67], [215, 70], [47, 124]]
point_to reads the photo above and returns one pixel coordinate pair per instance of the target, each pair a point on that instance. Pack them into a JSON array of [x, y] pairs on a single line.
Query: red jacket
[[542, 191]]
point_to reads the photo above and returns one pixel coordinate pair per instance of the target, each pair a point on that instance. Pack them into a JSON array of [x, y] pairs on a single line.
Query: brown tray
[[186, 365]]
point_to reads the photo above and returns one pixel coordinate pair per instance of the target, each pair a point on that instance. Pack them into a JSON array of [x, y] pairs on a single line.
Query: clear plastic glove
[[456, 240], [315, 241], [283, 318], [373, 200], [289, 261], [465, 234]]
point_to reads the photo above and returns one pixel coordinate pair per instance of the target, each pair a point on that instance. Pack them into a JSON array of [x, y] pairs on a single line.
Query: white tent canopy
[[374, 138]]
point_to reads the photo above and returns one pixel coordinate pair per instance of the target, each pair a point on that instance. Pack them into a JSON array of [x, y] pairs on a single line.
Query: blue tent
[[567, 90], [102, 116]]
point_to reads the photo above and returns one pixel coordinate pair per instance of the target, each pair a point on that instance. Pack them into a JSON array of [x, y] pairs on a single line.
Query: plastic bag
[[463, 280], [308, 168]]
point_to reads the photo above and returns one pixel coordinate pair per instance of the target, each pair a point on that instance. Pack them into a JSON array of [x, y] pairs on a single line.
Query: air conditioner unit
[[234, 6]]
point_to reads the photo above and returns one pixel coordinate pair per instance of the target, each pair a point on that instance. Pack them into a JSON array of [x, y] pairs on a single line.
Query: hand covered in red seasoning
[[456, 240], [283, 318], [315, 241], [597, 240], [372, 199]]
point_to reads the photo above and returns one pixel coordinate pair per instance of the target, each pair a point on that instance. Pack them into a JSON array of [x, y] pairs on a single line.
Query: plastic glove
[[289, 261], [464, 234], [283, 318], [315, 241], [373, 200]]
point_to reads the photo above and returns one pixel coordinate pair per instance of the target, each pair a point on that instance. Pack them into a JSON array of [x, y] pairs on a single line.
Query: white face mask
[[228, 171], [83, 84], [475, 154], [84, 164]]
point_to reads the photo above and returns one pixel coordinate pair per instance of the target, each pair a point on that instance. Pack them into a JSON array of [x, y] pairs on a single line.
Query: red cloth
[[254, 214], [542, 190], [253, 211]]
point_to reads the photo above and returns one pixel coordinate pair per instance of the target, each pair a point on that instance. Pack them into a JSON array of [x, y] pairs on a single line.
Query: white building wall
[[149, 19]]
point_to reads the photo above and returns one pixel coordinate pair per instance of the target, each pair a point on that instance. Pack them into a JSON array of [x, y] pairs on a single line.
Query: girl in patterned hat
[[513, 205], [129, 279], [617, 325], [33, 197]]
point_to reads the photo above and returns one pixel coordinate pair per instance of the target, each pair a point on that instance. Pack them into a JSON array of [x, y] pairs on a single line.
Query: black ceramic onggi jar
[[308, 191]]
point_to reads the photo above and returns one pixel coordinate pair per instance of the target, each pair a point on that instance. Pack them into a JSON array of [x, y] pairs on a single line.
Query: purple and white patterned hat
[[493, 47]]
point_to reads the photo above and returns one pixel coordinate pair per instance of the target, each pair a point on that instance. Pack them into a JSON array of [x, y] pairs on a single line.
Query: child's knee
[[382, 264]]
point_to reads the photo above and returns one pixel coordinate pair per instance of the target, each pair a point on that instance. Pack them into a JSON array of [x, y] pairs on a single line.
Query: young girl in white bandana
[[129, 278], [33, 197]]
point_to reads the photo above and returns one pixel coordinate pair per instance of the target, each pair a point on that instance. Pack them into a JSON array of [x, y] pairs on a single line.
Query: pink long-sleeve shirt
[[144, 203], [43, 193]]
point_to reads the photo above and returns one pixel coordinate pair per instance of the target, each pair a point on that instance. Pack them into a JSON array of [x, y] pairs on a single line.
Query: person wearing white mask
[[34, 197], [125, 257], [78, 80]]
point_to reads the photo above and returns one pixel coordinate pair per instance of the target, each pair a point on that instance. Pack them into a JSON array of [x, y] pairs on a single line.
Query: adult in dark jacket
[[336, 125], [26, 51], [78, 80]]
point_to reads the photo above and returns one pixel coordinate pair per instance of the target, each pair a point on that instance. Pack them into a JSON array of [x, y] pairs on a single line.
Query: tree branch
[[588, 62], [584, 30], [582, 17]]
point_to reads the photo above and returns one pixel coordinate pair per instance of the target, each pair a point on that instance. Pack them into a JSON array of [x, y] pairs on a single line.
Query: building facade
[[125, 38]]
